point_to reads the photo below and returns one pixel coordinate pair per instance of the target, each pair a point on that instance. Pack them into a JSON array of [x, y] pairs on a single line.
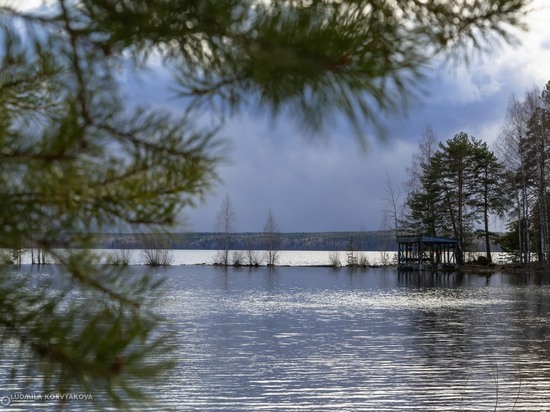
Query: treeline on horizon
[[383, 240], [380, 240]]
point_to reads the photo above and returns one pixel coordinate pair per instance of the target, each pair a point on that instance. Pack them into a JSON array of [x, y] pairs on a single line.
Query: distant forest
[[372, 241]]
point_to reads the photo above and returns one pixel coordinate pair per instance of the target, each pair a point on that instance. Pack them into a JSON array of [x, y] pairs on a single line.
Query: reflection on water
[[319, 339]]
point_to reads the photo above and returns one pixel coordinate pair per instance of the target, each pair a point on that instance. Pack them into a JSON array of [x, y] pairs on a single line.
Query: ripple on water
[[259, 303], [274, 347], [395, 349]]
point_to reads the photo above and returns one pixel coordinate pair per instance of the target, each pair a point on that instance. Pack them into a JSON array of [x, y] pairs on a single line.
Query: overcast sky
[[335, 186], [332, 184]]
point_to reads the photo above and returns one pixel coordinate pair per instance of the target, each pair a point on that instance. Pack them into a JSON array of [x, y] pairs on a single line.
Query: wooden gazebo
[[421, 252]]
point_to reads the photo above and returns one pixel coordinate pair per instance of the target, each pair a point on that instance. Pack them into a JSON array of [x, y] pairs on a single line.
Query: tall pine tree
[[461, 187]]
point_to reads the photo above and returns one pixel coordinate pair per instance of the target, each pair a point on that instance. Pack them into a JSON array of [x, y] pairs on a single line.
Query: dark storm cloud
[[330, 183], [313, 185], [309, 185]]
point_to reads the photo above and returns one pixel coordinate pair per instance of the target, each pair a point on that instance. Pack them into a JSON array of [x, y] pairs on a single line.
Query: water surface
[[310, 338], [319, 339]]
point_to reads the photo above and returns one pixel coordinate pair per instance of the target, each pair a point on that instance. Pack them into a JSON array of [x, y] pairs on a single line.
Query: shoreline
[[468, 269]]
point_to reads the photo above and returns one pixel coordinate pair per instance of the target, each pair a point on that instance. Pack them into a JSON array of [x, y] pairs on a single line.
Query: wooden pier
[[421, 252]]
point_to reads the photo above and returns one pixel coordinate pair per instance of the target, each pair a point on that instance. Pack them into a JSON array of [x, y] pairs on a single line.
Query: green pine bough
[[77, 158]]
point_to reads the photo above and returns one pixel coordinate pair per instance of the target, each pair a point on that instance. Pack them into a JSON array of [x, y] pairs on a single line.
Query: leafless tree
[[225, 224], [539, 125], [252, 256], [392, 207], [426, 149], [238, 258], [334, 259], [513, 153], [272, 239]]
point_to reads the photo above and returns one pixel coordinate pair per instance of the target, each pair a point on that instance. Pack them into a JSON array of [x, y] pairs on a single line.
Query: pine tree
[[422, 204], [454, 167], [489, 187], [77, 158], [461, 186]]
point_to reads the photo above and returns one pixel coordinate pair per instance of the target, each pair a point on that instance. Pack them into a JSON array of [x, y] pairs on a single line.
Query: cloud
[[329, 183], [309, 185]]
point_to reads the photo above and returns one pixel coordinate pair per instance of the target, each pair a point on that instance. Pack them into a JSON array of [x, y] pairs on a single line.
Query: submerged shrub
[[119, 257], [253, 258], [157, 257], [363, 260], [334, 259], [238, 258]]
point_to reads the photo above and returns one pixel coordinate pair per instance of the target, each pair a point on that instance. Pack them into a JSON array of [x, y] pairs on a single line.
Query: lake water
[[319, 339], [310, 338]]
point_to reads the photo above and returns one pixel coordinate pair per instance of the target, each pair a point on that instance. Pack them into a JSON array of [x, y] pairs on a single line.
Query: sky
[[332, 183]]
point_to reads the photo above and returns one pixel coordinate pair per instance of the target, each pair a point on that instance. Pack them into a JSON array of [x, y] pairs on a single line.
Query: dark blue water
[[295, 339]]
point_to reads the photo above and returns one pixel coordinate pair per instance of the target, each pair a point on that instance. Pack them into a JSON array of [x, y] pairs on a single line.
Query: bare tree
[[539, 137], [334, 259], [252, 256], [512, 150], [426, 149], [272, 239], [225, 224], [392, 207]]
